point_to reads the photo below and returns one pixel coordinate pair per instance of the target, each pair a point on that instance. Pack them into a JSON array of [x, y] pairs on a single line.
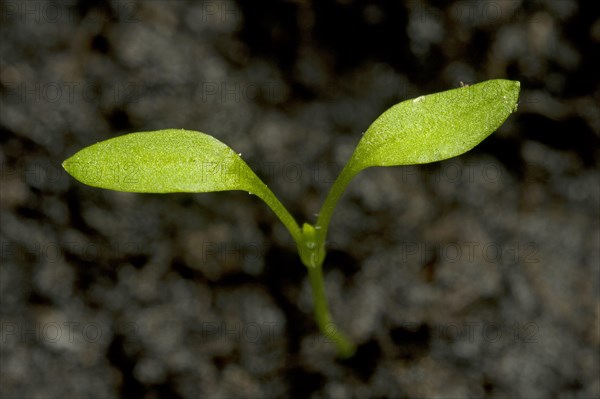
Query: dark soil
[[472, 277]]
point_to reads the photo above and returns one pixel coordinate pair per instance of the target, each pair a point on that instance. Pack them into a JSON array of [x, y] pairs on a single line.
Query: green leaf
[[169, 161], [164, 161], [437, 126]]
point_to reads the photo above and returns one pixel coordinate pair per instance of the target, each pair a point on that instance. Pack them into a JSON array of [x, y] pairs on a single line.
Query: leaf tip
[[516, 90], [69, 164], [66, 165], [516, 86]]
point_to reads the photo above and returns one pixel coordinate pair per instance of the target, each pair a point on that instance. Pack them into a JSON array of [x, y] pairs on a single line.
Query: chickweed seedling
[[425, 129]]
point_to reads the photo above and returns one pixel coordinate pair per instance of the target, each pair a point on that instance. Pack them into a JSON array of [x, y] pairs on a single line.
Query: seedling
[[425, 129]]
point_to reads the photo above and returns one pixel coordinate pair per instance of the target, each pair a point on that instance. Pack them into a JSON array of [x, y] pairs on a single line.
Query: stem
[[334, 195], [310, 241], [282, 213], [345, 347], [312, 252]]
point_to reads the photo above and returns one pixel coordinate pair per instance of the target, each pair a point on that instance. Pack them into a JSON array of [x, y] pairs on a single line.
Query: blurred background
[[473, 277]]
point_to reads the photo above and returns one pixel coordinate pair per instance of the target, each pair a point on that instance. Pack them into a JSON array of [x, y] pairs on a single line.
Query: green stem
[[282, 213], [334, 195], [312, 252], [310, 241], [344, 346]]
